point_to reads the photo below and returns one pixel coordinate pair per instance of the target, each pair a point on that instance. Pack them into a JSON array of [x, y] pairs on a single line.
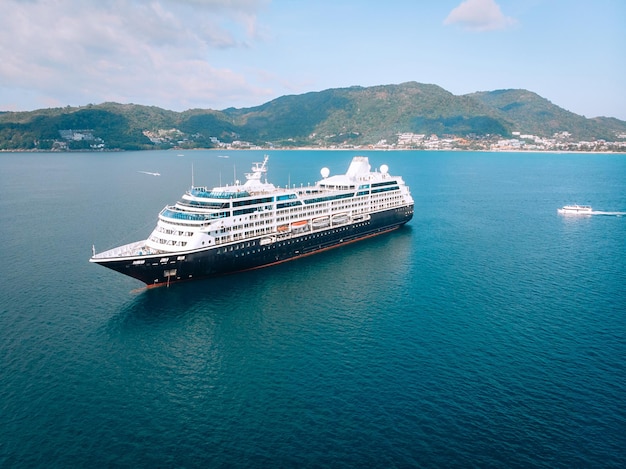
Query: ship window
[[252, 202]]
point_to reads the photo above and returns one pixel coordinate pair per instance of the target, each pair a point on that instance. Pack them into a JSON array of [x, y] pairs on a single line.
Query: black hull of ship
[[253, 253]]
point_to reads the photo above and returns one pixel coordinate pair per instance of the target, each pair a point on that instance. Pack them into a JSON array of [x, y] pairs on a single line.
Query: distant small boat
[[151, 174], [575, 210], [223, 156]]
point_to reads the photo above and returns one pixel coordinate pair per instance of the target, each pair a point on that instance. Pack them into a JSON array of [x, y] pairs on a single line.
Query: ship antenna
[[192, 174]]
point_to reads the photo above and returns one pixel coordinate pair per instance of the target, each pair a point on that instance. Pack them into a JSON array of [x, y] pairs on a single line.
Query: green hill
[[355, 115], [532, 114], [366, 115]]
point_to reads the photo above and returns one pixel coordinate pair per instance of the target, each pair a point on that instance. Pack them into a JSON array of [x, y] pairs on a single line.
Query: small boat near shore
[[575, 210]]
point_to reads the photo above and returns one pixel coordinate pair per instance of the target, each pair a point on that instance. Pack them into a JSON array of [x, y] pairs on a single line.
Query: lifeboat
[[321, 222]]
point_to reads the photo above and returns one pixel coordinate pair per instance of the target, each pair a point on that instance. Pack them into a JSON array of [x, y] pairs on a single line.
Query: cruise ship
[[220, 230]]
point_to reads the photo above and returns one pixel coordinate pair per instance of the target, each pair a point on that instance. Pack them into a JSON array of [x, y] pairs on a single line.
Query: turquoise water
[[489, 332]]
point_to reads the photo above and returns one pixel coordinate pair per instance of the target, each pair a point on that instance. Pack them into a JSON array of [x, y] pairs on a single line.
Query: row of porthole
[[174, 232], [168, 242]]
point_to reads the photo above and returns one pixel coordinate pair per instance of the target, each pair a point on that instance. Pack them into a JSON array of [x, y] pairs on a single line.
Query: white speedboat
[[575, 210]]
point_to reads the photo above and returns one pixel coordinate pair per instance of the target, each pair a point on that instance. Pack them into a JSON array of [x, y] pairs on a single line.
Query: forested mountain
[[533, 114], [355, 115]]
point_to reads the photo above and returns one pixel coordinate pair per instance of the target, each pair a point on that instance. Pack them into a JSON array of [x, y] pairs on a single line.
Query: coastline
[[355, 149]]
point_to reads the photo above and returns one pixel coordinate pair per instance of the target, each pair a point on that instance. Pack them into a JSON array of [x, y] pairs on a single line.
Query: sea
[[488, 332]]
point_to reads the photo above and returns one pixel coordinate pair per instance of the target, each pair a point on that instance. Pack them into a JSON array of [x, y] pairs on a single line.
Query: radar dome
[[384, 169], [325, 172]]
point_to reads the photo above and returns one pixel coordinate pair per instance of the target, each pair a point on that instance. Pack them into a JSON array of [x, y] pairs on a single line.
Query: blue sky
[[182, 54]]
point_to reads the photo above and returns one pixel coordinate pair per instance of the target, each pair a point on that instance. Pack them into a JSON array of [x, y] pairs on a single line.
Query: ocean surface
[[488, 332]]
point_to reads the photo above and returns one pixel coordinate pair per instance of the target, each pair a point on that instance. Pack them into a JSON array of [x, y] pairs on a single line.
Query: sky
[[215, 54]]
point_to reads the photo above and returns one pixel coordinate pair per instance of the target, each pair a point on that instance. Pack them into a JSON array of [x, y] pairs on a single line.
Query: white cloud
[[142, 51], [479, 15]]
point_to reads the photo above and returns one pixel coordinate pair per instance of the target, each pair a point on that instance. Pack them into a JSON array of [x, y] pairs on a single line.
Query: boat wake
[[614, 214]]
